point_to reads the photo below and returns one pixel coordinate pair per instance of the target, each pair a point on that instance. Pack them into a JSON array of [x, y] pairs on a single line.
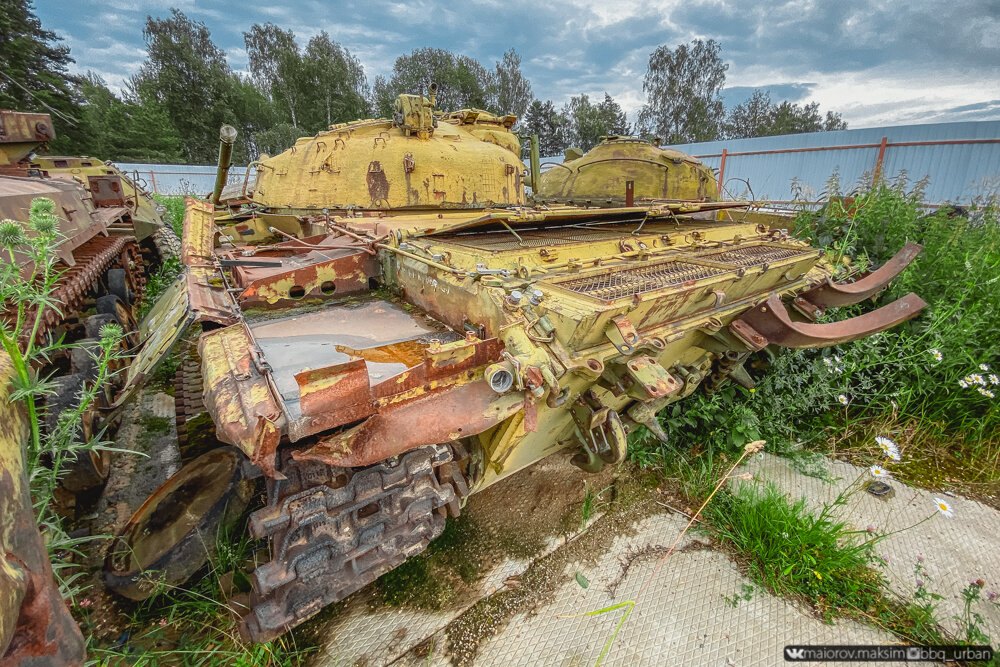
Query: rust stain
[[438, 417], [35, 625], [378, 184]]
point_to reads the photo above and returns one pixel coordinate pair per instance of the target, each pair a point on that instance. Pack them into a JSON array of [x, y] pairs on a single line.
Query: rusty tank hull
[[377, 365], [104, 251]]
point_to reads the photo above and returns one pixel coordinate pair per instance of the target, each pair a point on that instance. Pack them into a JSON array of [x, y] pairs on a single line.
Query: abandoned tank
[[392, 325], [111, 237]]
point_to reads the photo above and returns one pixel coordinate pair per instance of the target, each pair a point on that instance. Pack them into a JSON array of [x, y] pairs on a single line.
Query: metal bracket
[[622, 334], [483, 270], [651, 380]]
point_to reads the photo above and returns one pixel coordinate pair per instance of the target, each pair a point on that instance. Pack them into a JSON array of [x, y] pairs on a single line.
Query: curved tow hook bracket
[[770, 323], [813, 303], [605, 443]]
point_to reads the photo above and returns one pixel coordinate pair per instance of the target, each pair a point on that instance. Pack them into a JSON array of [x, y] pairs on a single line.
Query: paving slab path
[[952, 552], [698, 609]]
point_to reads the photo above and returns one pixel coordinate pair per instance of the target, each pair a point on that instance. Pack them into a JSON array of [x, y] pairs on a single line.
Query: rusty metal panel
[[440, 416], [35, 626], [106, 190], [238, 396], [208, 297], [321, 271], [198, 242]]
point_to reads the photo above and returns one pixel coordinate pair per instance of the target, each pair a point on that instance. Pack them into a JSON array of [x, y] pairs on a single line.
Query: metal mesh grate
[[752, 255], [628, 282]]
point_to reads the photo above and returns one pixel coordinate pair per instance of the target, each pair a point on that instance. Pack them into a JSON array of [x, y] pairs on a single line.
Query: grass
[[175, 210], [794, 553], [591, 505], [194, 625], [790, 551]]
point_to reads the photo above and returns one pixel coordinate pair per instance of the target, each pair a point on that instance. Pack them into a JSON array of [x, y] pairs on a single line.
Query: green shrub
[[914, 372], [175, 210]]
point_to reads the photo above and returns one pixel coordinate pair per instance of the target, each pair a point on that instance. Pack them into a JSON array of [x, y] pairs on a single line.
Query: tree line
[[172, 108]]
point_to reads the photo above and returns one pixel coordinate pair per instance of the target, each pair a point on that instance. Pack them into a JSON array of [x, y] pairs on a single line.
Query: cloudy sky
[[877, 63]]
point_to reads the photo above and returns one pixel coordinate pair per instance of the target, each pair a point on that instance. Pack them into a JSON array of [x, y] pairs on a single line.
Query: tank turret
[[419, 159], [600, 177], [20, 135]]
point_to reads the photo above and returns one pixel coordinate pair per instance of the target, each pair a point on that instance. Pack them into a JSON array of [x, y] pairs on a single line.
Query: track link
[[335, 530]]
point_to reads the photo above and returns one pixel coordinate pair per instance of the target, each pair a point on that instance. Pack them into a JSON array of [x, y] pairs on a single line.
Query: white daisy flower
[[984, 367], [963, 384], [828, 361], [888, 447], [936, 354], [994, 379], [976, 378], [878, 471], [985, 392], [843, 399], [944, 508]]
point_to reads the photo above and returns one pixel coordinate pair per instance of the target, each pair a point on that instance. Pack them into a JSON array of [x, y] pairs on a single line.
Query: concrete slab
[[955, 551], [698, 608], [683, 618]]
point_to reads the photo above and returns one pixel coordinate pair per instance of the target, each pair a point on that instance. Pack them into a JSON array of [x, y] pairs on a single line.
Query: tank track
[[167, 243], [92, 260], [188, 389], [335, 530]]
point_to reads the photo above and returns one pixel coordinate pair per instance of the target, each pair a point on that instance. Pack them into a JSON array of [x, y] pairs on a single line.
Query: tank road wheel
[[174, 532], [82, 470], [118, 285]]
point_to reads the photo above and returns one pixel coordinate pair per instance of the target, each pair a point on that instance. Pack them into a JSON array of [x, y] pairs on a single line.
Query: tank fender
[[442, 416]]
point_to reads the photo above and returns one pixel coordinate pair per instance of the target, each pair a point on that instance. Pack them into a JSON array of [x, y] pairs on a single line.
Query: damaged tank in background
[[392, 325], [112, 237]]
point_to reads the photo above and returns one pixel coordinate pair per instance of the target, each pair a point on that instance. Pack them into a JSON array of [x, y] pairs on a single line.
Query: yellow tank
[[418, 159], [601, 177]]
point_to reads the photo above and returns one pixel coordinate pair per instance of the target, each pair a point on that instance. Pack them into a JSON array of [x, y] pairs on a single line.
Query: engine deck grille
[[495, 241], [753, 255], [629, 282]]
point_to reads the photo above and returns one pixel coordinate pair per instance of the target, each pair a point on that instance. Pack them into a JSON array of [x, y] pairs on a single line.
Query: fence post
[[152, 177], [878, 161], [722, 170]]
